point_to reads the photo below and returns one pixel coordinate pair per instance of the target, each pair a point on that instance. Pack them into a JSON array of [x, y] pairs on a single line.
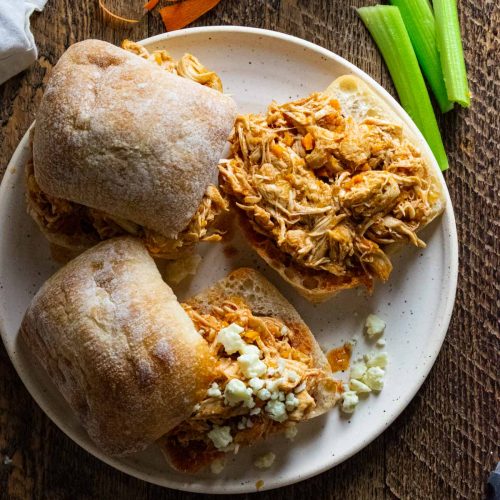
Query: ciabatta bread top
[[118, 345], [120, 134]]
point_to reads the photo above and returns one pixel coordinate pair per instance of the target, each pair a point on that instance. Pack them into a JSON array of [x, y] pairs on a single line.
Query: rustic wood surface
[[446, 442]]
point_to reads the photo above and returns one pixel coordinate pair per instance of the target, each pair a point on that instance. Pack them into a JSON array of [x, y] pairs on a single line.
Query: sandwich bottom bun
[[315, 286], [326, 189], [228, 367], [247, 299]]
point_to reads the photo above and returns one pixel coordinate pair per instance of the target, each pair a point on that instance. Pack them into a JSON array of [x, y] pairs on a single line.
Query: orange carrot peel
[[115, 16], [151, 4], [179, 15]]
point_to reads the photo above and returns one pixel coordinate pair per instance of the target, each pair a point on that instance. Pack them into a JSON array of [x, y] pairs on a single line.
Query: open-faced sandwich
[[128, 142], [223, 370], [325, 185]]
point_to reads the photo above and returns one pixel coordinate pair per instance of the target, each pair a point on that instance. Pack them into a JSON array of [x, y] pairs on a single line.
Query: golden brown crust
[[132, 139], [118, 345]]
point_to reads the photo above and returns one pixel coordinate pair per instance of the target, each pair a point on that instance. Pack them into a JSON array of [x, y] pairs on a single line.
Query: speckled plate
[[256, 67]]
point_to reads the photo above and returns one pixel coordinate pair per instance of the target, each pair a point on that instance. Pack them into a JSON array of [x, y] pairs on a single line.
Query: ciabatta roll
[[138, 367]]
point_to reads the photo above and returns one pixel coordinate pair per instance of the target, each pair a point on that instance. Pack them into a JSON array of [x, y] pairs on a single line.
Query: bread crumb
[[291, 432], [265, 461], [217, 466], [176, 271]]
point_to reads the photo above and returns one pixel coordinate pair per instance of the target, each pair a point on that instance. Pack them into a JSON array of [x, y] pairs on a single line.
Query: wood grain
[[446, 442]]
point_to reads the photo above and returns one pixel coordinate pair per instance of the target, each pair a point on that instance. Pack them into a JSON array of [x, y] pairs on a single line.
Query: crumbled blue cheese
[[251, 349], [256, 383], [281, 365], [292, 376], [379, 359], [349, 401], [255, 411], [380, 343], [374, 326], [291, 402], [358, 370], [366, 375], [214, 391], [374, 378], [273, 385], [276, 410], [264, 394], [358, 386], [230, 338], [220, 436], [251, 366], [236, 392], [217, 466], [265, 461]]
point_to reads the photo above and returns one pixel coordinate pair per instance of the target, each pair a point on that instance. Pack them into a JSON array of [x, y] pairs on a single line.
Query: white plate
[[257, 66]]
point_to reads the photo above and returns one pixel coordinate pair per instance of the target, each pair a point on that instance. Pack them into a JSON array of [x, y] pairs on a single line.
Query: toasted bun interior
[[117, 344], [120, 134]]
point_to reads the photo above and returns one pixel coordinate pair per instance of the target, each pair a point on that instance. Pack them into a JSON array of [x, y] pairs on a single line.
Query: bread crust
[[359, 101], [118, 345], [117, 133]]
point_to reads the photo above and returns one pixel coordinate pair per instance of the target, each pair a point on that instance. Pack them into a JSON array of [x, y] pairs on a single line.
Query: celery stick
[[388, 30], [419, 21], [450, 49]]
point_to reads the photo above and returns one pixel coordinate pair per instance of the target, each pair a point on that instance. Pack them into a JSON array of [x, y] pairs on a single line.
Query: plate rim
[[447, 308]]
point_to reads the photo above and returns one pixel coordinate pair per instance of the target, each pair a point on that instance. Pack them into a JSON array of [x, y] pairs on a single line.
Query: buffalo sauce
[[339, 357]]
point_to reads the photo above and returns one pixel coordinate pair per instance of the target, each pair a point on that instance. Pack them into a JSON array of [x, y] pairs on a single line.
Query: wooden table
[[446, 442]]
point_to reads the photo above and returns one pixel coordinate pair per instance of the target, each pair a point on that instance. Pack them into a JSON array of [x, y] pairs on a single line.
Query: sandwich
[[127, 143], [326, 186], [227, 368]]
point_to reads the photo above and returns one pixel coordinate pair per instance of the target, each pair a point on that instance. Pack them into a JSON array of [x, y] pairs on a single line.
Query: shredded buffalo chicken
[[63, 216], [188, 66], [328, 191], [272, 337]]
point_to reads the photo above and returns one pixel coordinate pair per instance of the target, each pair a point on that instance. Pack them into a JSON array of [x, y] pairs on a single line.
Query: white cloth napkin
[[17, 45]]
